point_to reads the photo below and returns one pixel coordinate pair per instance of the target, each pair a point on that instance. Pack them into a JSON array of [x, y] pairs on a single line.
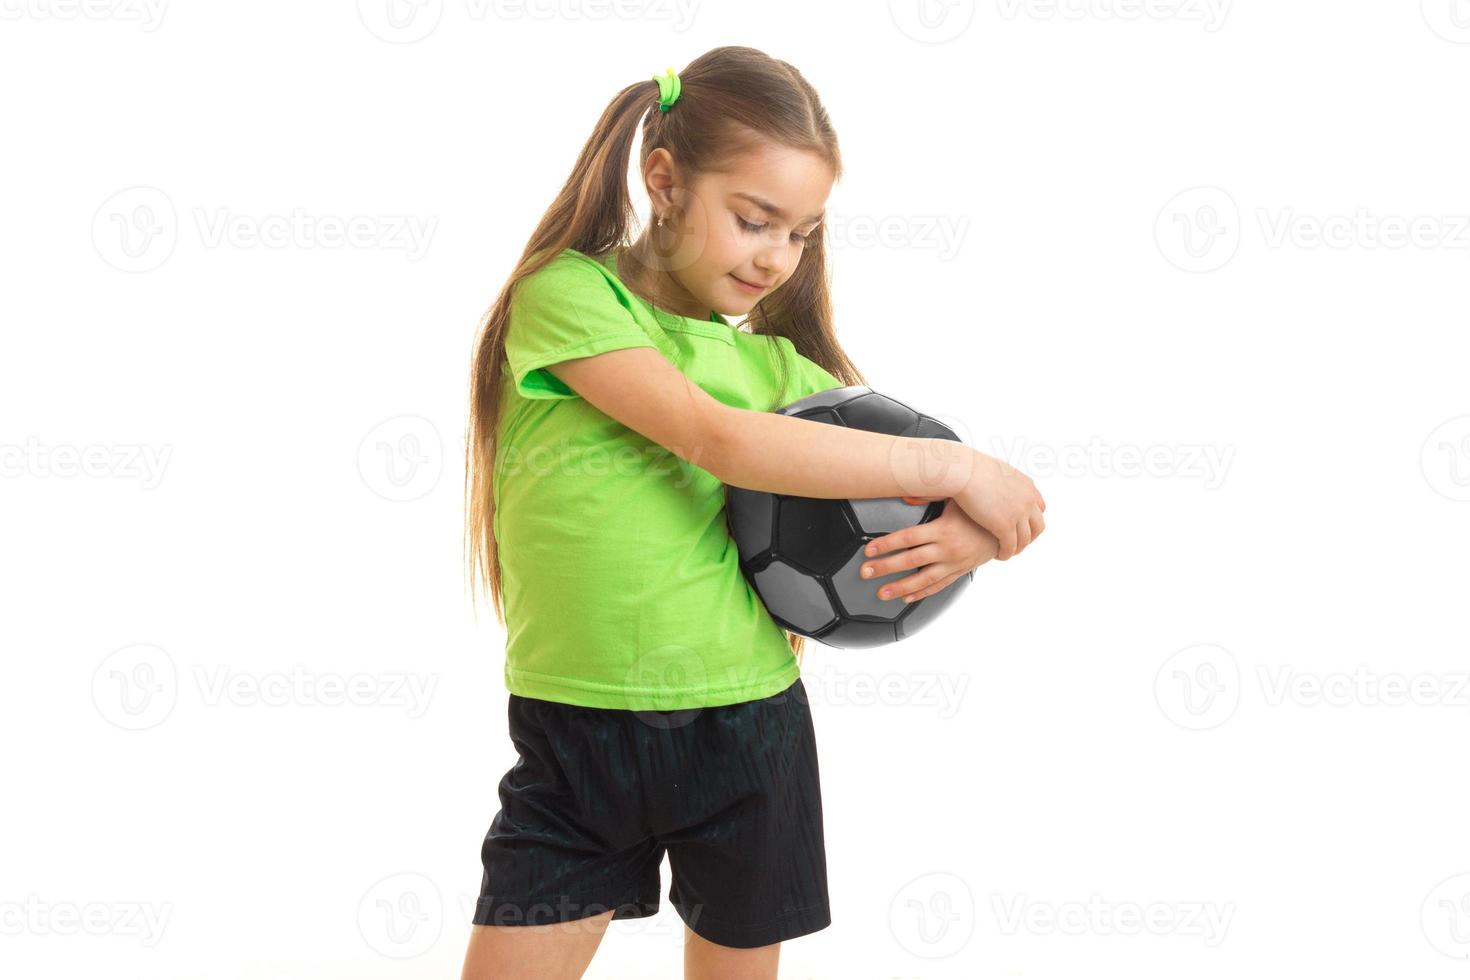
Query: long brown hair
[[725, 95]]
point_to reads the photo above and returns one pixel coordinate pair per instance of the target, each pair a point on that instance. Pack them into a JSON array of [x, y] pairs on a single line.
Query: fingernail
[[867, 571], [885, 594], [868, 551]]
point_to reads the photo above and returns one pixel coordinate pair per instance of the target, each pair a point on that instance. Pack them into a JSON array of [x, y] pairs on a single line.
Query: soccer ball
[[802, 555]]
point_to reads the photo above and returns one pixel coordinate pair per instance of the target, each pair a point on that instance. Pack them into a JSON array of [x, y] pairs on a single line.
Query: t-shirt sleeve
[[565, 310]]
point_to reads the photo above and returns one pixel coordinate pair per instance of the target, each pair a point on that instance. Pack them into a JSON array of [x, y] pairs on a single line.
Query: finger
[[912, 558], [923, 577], [909, 537], [1007, 541], [939, 586], [1037, 526]]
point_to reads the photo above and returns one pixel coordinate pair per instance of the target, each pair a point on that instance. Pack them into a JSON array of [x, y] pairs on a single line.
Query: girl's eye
[[753, 228]]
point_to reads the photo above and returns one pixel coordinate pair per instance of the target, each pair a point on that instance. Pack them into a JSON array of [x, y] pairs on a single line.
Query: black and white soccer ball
[[802, 555]]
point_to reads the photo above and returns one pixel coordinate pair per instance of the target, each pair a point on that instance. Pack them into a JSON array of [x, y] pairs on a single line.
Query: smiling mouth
[[752, 285]]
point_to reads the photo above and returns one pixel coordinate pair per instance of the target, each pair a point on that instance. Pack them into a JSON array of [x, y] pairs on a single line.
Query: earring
[[659, 222]]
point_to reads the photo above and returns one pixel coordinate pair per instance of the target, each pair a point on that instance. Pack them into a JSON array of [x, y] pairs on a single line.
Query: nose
[[771, 260]]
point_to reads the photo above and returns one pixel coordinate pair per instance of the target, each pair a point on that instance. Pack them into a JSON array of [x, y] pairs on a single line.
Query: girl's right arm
[[640, 388]]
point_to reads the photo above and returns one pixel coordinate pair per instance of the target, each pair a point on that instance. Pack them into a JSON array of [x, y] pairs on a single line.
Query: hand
[[1004, 501], [946, 548]]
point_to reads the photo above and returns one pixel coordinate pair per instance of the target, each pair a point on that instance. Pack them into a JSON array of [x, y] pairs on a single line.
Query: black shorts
[[731, 792]]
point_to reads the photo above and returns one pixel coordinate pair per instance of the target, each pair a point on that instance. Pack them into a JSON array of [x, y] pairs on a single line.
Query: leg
[[704, 960], [559, 951]]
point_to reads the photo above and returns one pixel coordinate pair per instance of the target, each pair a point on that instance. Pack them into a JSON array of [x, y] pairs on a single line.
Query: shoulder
[[569, 273]]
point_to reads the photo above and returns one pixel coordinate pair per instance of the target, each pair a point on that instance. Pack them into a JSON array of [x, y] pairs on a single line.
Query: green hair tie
[[668, 89]]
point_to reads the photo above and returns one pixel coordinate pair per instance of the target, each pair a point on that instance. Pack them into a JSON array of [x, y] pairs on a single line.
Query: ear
[[660, 178]]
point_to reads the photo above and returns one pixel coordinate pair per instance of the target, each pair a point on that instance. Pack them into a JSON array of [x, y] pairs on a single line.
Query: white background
[[1225, 692]]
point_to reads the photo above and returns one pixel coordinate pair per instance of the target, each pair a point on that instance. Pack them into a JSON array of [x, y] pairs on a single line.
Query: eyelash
[[747, 226]]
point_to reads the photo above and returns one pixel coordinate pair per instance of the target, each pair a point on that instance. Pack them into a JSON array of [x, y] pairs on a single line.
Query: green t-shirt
[[620, 582]]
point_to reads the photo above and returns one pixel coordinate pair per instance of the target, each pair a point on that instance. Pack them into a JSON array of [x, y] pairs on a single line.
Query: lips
[[752, 285]]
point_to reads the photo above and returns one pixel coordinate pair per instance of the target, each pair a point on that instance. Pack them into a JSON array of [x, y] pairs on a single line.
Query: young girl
[[656, 706]]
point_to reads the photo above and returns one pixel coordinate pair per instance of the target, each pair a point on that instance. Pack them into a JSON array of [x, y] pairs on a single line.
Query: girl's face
[[740, 232]]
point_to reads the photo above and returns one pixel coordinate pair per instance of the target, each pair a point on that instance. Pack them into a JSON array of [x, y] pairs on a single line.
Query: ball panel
[[858, 596], [812, 532], [884, 515], [927, 609], [826, 399], [928, 428], [751, 516], [858, 634], [794, 597], [878, 413]]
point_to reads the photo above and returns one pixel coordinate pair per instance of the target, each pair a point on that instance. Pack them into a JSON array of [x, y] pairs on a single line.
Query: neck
[[641, 273]]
